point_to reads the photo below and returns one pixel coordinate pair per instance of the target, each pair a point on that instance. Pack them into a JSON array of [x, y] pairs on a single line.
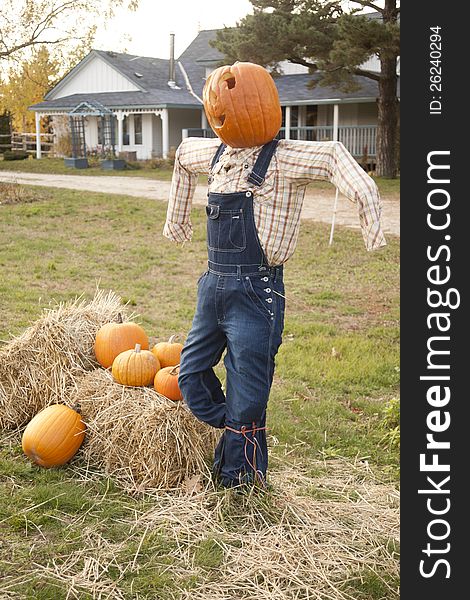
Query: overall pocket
[[225, 229], [261, 294]]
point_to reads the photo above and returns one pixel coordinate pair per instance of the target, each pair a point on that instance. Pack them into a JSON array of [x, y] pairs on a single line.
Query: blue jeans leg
[[253, 339], [199, 385]]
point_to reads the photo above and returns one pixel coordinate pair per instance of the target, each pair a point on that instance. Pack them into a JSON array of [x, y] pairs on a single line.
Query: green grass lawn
[[387, 187], [336, 371], [57, 165]]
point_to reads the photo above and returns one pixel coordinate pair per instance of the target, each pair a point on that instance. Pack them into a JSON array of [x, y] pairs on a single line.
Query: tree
[[28, 23], [26, 85], [319, 34]]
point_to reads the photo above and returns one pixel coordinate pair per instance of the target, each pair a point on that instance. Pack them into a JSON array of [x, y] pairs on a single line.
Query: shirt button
[[248, 194], [245, 166]]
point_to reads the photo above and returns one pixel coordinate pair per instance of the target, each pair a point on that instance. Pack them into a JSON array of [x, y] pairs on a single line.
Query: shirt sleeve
[[330, 161], [193, 157]]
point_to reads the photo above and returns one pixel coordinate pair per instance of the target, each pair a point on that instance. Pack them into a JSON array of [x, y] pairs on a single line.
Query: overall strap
[[258, 173], [217, 155]]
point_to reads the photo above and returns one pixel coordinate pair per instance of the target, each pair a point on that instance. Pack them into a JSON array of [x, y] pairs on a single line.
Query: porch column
[[38, 134], [335, 122], [120, 120], [302, 123], [165, 133], [287, 127], [203, 120]]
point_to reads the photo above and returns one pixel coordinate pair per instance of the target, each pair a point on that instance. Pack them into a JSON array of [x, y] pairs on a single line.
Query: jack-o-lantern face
[[242, 105]]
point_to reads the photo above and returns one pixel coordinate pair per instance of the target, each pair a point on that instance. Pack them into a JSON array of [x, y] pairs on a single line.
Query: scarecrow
[[256, 188]]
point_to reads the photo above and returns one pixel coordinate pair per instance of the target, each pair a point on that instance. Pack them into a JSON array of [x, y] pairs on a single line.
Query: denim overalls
[[240, 306]]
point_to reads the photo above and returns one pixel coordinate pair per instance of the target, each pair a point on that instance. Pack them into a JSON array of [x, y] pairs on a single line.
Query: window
[[107, 130], [312, 115], [125, 131], [137, 129]]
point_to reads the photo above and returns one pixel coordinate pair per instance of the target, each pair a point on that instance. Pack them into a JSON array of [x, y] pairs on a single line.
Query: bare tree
[[28, 23]]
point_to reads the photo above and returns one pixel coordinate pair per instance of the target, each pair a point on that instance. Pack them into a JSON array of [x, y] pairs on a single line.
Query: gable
[[93, 76]]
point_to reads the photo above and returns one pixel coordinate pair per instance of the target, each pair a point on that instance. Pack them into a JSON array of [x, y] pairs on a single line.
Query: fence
[[360, 140], [27, 142]]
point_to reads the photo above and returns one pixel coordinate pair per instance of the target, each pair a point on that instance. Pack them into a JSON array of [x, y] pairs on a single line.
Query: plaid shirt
[[277, 203]]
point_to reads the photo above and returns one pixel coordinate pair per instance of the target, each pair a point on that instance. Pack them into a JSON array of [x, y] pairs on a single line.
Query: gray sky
[[146, 32]]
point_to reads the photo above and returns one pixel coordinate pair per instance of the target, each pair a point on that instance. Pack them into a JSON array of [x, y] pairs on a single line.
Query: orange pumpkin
[[168, 353], [54, 435], [242, 105], [114, 338], [135, 367], [166, 383]]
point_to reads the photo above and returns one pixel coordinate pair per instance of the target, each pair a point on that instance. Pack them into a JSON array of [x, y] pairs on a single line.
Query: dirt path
[[318, 204]]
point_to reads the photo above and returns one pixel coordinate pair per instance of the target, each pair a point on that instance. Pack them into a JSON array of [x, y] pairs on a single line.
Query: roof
[[297, 89], [150, 75], [120, 100], [200, 51]]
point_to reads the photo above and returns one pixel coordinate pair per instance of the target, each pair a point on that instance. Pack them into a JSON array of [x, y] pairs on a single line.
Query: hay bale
[[140, 438], [38, 366]]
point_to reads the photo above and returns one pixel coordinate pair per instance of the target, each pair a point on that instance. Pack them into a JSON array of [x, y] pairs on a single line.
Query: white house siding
[[143, 150], [325, 114], [182, 119], [349, 114], [288, 68], [372, 64], [91, 132], [95, 76]]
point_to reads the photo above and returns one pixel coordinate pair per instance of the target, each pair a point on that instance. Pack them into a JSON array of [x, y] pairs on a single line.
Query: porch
[[147, 132], [360, 140]]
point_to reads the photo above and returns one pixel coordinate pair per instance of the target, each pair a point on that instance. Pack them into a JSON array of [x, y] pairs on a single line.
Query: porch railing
[[197, 132], [360, 140]]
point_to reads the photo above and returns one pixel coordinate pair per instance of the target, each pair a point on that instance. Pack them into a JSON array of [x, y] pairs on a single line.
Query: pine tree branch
[[368, 74], [369, 5], [301, 61]]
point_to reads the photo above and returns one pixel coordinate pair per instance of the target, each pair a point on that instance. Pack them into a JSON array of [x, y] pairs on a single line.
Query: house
[[156, 102]]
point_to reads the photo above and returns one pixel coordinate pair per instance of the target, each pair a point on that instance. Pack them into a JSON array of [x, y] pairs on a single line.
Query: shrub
[[134, 165], [159, 163], [14, 193], [15, 155]]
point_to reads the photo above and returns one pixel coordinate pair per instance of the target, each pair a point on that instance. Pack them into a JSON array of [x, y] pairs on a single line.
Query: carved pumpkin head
[[242, 105]]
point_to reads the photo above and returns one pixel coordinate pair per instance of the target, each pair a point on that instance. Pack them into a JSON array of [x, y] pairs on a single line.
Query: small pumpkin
[[242, 105], [168, 353], [166, 383], [54, 435], [135, 367], [114, 338]]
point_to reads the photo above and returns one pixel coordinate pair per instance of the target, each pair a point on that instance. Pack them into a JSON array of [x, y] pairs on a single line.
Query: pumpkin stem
[[137, 348], [175, 370], [119, 318], [173, 338]]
